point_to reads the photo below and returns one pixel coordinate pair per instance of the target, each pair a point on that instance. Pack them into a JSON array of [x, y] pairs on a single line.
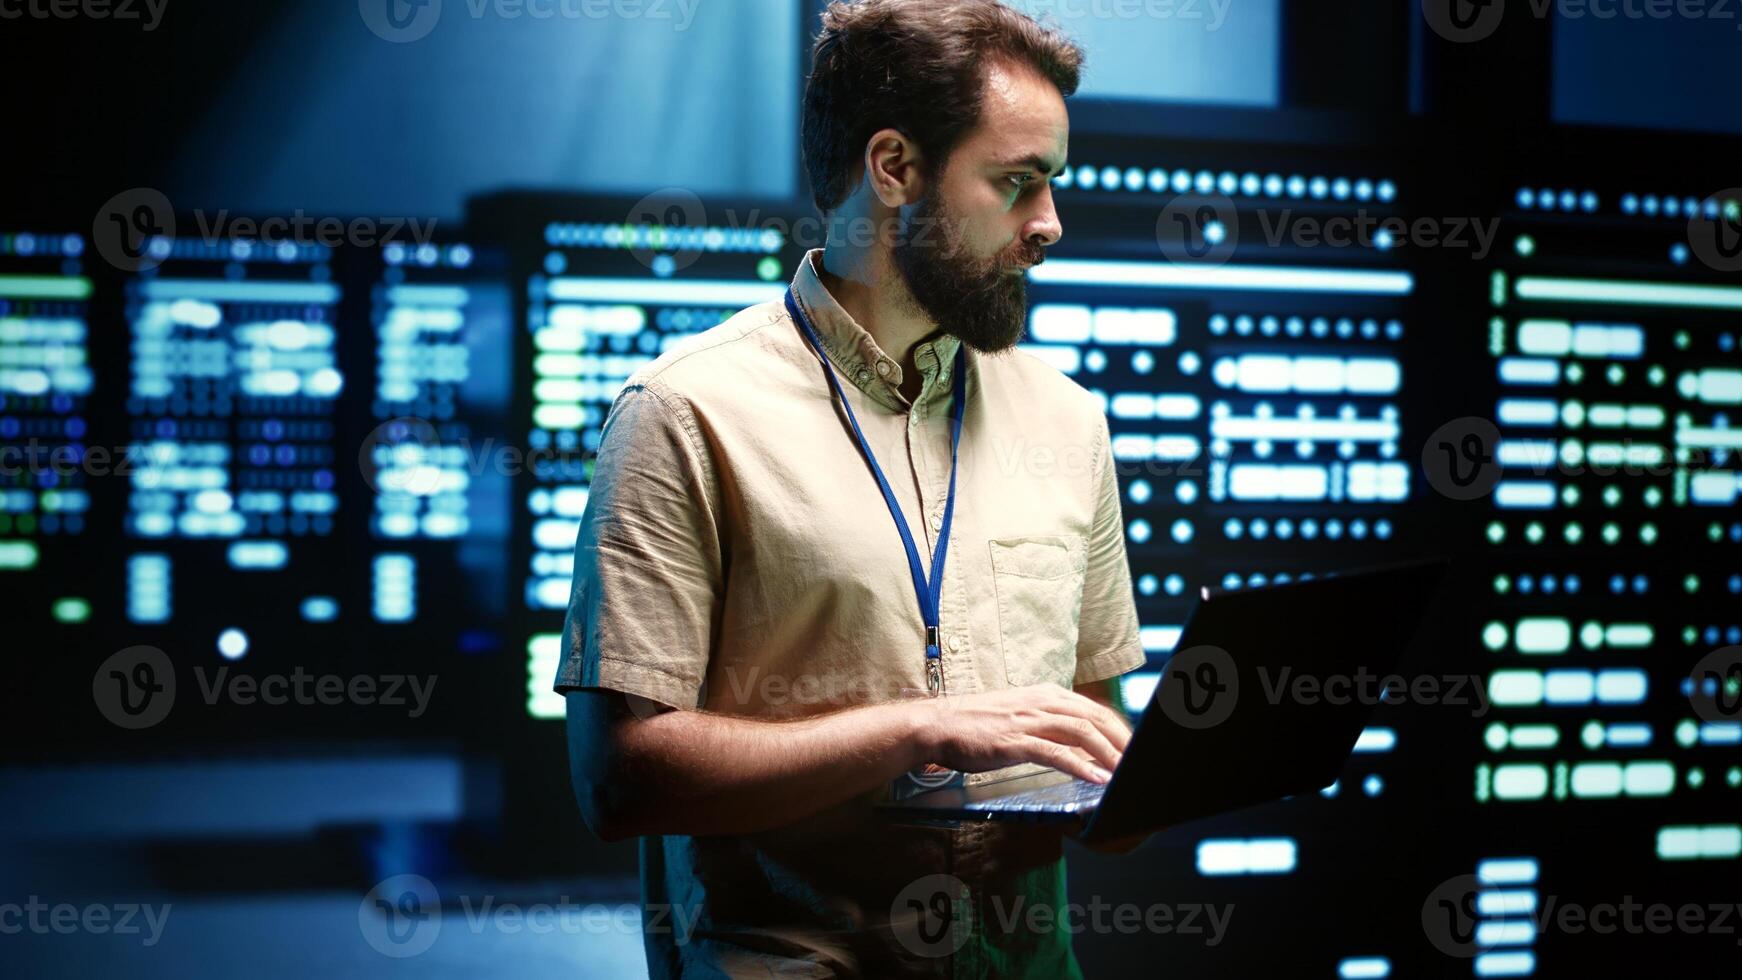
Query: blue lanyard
[[927, 592]]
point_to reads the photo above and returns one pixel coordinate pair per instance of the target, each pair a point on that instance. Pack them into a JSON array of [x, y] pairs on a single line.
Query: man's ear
[[893, 168]]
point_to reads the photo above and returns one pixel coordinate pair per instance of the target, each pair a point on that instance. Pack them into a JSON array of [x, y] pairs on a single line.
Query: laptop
[[1231, 723]]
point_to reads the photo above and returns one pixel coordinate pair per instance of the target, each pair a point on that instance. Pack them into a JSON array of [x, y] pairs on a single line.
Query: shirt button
[[883, 369], [955, 642], [937, 520], [863, 375]]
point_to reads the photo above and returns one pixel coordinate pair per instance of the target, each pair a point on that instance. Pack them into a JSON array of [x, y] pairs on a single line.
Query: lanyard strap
[[928, 593]]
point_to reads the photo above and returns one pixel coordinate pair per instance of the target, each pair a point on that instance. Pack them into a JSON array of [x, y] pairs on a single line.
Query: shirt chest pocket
[[1039, 582]]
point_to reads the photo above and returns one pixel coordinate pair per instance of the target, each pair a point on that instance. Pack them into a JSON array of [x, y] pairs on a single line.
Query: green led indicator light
[[1686, 733]]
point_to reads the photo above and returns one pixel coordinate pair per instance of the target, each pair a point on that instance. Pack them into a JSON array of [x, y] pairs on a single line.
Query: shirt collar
[[856, 353]]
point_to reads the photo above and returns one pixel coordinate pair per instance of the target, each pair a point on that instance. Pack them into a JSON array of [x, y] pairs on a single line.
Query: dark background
[[262, 827]]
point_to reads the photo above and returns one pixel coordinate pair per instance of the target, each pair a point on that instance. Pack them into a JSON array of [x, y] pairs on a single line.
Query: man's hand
[[1043, 724], [692, 772]]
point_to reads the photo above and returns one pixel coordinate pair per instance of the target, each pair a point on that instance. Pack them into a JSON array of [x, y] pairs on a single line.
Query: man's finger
[[1080, 733], [1110, 724], [1063, 759]]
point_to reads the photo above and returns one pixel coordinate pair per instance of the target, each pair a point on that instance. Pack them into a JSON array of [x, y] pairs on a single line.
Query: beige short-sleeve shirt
[[737, 556]]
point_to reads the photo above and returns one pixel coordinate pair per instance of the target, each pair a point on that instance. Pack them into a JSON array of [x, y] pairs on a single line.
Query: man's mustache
[[1029, 254]]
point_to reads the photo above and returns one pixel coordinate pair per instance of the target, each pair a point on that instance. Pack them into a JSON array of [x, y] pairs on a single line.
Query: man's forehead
[[1022, 121]]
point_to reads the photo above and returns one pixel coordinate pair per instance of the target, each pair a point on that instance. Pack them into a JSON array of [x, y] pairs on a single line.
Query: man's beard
[[979, 301]]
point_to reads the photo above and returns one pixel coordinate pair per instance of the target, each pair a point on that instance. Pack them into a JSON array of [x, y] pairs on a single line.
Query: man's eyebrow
[[1032, 162]]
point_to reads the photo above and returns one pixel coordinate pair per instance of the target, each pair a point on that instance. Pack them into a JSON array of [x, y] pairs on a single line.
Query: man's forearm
[[689, 772]]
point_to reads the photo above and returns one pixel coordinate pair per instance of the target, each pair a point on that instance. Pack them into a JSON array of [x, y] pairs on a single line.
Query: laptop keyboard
[[1072, 797]]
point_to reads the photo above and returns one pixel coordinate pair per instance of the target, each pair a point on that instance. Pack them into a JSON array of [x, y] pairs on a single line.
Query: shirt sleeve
[[1107, 636], [648, 567]]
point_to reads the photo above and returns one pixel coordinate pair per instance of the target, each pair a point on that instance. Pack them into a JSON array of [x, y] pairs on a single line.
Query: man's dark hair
[[916, 66]]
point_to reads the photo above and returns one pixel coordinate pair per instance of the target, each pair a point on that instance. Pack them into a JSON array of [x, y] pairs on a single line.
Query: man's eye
[[1020, 180]]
